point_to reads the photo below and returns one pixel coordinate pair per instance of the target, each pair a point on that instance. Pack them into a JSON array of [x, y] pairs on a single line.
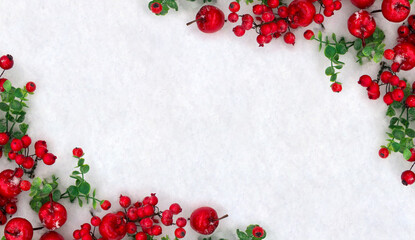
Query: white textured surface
[[206, 119]]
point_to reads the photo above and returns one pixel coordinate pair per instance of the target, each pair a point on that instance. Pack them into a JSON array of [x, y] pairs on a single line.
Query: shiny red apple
[[52, 215], [113, 227], [405, 56], [361, 24], [209, 19], [396, 10], [18, 229], [205, 220], [9, 184], [51, 236]]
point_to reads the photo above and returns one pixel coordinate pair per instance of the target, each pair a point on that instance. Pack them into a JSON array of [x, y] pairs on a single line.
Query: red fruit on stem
[[131, 228], [9, 184], [273, 3], [204, 220], [233, 17], [387, 98], [336, 87], [30, 87], [362, 3], [289, 38], [18, 229], [308, 34], [95, 221], [258, 232], [156, 230], [383, 152], [181, 222], [156, 8], [125, 201], [385, 76], [16, 145], [52, 215], [209, 19], [51, 236], [398, 95], [40, 152], [408, 177], [4, 138], [301, 13], [26, 140], [404, 56], [365, 80], [175, 208], [403, 31], [6, 62], [141, 236], [49, 159], [77, 152], [396, 10], [180, 233], [41, 143], [318, 18], [25, 185], [28, 163], [105, 205], [113, 227], [361, 24], [239, 31], [389, 54], [11, 208], [283, 12], [234, 7]]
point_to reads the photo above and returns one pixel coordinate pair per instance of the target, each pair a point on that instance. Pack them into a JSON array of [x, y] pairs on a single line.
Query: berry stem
[[223, 217], [196, 20]]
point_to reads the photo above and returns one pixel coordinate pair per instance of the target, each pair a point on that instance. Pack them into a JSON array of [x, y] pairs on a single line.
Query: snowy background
[[207, 119]]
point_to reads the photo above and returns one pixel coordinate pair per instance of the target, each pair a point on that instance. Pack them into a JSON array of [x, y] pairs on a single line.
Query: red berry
[[25, 185], [6, 62], [141, 236], [16, 145], [77, 152], [258, 232], [234, 7], [337, 5], [148, 210], [283, 11], [395, 66], [389, 54], [153, 200], [268, 16], [11, 208], [146, 223], [49, 159], [398, 95], [175, 208], [239, 31], [132, 213], [282, 26], [95, 221], [181, 222], [289, 38], [328, 13], [28, 163], [258, 9], [20, 159], [408, 177], [180, 233], [336, 87], [260, 40], [365, 81], [40, 152], [4, 138], [156, 230], [131, 228], [156, 8], [125, 201], [18, 172], [308, 34], [402, 84], [403, 31], [233, 17], [77, 234], [394, 80], [26, 140], [383, 152], [41, 143], [318, 18], [388, 98], [105, 205], [30, 87], [86, 226], [410, 101], [385, 76], [12, 155], [273, 3]]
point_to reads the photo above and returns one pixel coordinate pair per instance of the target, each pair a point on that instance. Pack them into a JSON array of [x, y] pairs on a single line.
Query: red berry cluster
[[272, 20], [140, 219]]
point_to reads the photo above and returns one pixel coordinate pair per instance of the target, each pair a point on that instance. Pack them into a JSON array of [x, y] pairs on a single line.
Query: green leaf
[[390, 112], [367, 51], [407, 154], [172, 4], [396, 104], [47, 188], [341, 48], [4, 107], [19, 93], [73, 191], [398, 134], [333, 78], [76, 173], [56, 195], [7, 85], [357, 44], [395, 146], [81, 162], [84, 188], [17, 134], [16, 105], [36, 183], [23, 127], [241, 235], [329, 51], [329, 71], [84, 168], [80, 202], [35, 205], [410, 133]]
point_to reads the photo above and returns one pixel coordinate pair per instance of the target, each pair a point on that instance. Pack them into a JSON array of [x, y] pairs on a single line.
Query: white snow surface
[[207, 119]]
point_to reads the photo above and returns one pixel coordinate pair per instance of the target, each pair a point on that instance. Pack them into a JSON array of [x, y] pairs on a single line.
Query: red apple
[[361, 24], [52, 215], [9, 184], [405, 56], [52, 236], [18, 229], [209, 19], [205, 220], [113, 227], [362, 3], [396, 10], [301, 13]]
